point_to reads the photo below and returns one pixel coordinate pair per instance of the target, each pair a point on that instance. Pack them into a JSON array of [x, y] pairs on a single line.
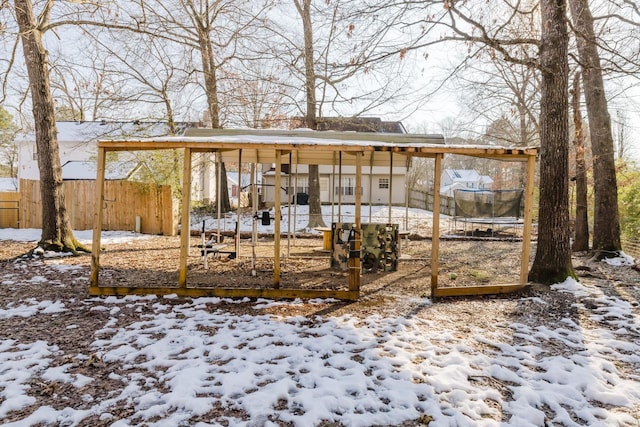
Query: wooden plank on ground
[[477, 290], [226, 292]]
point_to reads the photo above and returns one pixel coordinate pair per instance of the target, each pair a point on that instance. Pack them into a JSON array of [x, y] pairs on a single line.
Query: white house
[[454, 179], [77, 143], [8, 184], [378, 184]]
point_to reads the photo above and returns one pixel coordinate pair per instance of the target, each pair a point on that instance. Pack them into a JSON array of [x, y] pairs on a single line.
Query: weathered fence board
[[9, 209], [631, 247], [123, 202], [424, 200]]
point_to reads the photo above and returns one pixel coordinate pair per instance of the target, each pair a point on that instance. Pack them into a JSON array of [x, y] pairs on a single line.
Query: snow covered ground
[[296, 218], [195, 362]]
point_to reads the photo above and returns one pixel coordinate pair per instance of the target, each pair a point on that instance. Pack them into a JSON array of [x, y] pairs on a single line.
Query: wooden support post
[[390, 185], [406, 196], [238, 210], [185, 228], [528, 215], [340, 186], [295, 207], [254, 223], [332, 187], [219, 192], [289, 203], [435, 239], [276, 227], [97, 218], [354, 261], [373, 153]]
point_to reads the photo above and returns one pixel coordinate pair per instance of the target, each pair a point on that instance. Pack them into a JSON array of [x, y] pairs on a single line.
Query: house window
[[383, 183], [347, 187], [302, 186]]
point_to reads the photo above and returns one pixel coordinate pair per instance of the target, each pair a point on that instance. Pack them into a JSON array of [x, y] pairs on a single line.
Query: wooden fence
[[125, 203], [423, 200], [631, 247], [9, 209]]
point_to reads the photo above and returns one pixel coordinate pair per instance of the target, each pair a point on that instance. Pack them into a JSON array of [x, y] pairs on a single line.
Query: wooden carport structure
[[307, 147]]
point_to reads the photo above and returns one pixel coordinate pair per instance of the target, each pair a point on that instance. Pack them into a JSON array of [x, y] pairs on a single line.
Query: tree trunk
[[606, 221], [581, 240], [211, 87], [552, 263], [315, 204], [56, 228]]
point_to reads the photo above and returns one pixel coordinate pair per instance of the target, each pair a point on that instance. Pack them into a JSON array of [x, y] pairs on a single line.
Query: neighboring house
[[237, 184], [360, 124], [378, 183], [240, 187], [454, 179], [8, 184], [77, 144], [76, 169]]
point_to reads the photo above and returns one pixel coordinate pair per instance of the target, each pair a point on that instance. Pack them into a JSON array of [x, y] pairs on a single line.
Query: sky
[[193, 355]]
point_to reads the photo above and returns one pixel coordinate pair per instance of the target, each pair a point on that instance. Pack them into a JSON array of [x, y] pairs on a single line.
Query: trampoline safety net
[[487, 204]]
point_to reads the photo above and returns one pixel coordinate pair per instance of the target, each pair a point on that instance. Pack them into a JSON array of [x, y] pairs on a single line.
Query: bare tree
[[606, 221], [304, 10], [622, 140], [552, 263], [581, 241], [56, 228], [327, 57], [502, 91], [215, 31], [82, 85], [491, 27], [148, 71], [257, 95], [8, 148]]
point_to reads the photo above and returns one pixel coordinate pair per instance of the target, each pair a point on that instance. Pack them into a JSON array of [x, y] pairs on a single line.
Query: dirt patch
[[153, 262]]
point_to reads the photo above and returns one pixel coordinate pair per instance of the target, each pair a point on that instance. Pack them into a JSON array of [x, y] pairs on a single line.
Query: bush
[[629, 201]]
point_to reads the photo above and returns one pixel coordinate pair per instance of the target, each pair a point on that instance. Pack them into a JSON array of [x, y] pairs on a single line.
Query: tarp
[[487, 204]]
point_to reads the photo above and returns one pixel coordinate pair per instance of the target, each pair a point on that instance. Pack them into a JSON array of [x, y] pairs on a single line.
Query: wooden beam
[[371, 160], [97, 218], [528, 215], [390, 192], [276, 227], [303, 134], [315, 148], [238, 209], [185, 228], [355, 269], [435, 239], [478, 290], [224, 292], [340, 186]]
